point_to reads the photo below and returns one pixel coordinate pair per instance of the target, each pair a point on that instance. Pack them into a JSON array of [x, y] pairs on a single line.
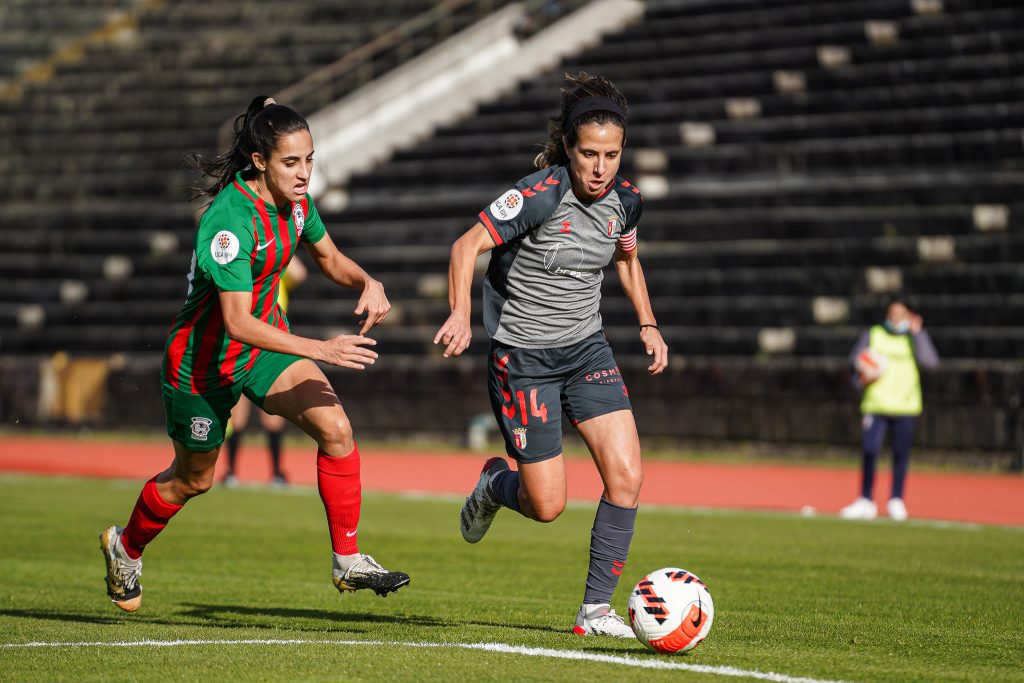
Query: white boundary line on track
[[502, 648]]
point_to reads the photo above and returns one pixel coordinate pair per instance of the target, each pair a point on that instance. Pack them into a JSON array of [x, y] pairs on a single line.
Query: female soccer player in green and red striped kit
[[231, 338]]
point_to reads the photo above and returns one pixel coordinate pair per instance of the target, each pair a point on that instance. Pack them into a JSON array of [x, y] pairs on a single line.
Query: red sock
[[342, 494], [148, 519]]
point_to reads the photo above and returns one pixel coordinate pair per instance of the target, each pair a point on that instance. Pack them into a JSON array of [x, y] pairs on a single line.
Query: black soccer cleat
[[367, 573]]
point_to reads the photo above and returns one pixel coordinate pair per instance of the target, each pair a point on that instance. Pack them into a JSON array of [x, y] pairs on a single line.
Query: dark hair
[[898, 298], [564, 131], [257, 130]]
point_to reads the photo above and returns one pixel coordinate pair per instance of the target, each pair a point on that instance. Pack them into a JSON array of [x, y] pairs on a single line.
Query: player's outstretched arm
[[347, 273], [456, 333], [347, 350], [631, 275]]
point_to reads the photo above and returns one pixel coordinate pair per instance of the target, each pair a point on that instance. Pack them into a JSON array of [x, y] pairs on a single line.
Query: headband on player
[[593, 103]]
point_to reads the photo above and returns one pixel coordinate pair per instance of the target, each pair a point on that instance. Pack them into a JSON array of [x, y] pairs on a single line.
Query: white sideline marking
[[487, 647]]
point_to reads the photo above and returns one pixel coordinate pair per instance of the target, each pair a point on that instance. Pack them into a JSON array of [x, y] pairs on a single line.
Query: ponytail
[[586, 99], [257, 130]]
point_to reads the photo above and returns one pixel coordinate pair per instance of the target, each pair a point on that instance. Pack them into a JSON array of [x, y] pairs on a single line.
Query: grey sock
[[505, 489], [609, 546]]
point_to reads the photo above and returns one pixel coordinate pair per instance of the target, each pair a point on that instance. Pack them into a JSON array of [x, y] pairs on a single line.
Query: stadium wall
[[972, 407]]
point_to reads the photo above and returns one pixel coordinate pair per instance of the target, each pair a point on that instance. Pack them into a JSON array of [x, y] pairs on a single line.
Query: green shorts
[[199, 421]]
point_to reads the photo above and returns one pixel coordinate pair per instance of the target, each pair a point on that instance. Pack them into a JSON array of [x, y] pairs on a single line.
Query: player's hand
[[655, 346], [374, 303], [455, 334], [916, 323], [349, 351]]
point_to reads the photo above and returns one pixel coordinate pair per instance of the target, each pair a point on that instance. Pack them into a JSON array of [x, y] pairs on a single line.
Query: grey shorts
[[530, 389]]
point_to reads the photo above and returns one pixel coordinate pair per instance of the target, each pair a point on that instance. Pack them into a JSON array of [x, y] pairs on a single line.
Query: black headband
[[593, 103]]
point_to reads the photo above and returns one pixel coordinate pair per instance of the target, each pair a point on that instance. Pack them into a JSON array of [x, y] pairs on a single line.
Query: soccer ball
[[870, 365], [671, 610]]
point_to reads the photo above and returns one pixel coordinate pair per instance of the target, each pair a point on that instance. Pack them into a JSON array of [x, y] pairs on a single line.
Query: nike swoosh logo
[[350, 534], [700, 612], [261, 247]]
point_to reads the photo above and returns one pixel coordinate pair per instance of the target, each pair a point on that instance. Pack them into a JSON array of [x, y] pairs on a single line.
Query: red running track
[[984, 498]]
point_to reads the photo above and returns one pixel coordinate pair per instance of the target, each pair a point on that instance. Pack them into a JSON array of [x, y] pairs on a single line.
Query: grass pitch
[[813, 598]]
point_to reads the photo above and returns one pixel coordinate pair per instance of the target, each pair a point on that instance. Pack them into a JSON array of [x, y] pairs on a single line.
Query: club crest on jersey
[[519, 436], [201, 428], [224, 247], [507, 206], [611, 225], [300, 219]]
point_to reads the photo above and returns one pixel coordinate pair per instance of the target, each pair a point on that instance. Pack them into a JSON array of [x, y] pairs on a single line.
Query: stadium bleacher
[[800, 160]]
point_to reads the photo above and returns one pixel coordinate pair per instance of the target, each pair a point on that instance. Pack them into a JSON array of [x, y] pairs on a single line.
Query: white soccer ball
[[671, 610], [870, 365]]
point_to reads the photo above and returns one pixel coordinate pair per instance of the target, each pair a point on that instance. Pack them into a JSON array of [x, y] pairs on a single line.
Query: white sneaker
[[862, 508], [367, 573], [601, 620], [123, 573], [897, 510], [480, 507]]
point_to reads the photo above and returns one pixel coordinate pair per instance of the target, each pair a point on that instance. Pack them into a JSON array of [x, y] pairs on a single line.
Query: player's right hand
[[349, 351], [455, 334]]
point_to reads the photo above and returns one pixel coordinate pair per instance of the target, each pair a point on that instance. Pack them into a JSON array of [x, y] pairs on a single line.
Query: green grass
[[802, 597]]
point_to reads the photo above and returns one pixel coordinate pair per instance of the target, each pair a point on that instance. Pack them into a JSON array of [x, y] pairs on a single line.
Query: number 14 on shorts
[[540, 411]]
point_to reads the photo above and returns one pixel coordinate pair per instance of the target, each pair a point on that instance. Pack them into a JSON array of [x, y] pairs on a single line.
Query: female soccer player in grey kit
[[550, 238]]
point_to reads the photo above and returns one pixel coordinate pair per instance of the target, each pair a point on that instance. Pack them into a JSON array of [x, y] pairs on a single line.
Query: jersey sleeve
[[224, 252], [633, 207], [525, 206], [314, 230]]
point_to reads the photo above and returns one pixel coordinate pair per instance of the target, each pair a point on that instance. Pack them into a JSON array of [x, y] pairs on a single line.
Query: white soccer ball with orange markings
[[870, 365], [671, 610]]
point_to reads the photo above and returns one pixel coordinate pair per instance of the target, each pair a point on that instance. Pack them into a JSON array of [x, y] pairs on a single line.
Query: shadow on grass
[[216, 614], [205, 616], [240, 617]]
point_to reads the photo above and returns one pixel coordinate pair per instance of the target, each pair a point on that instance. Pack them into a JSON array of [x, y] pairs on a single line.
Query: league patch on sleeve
[[224, 247], [507, 206]]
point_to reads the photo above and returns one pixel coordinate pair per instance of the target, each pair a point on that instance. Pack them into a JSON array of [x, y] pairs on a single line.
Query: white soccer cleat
[[367, 573], [123, 573], [601, 620], [862, 508], [897, 510], [480, 507]]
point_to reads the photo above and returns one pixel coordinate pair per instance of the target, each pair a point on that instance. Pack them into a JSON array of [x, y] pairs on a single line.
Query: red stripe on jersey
[[539, 187], [527, 192], [552, 180], [241, 188], [270, 254], [207, 348], [490, 228], [270, 301], [176, 351]]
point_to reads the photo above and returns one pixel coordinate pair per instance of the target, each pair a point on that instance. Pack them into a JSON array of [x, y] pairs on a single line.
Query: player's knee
[[336, 437], [624, 489], [195, 485], [548, 511]]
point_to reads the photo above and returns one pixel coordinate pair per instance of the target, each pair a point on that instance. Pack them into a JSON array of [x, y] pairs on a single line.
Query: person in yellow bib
[[886, 359]]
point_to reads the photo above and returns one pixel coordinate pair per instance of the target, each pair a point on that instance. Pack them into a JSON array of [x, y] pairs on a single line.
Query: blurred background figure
[[274, 425], [886, 358]]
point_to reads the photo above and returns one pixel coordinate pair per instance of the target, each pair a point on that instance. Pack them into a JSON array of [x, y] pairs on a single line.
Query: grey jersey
[[543, 284]]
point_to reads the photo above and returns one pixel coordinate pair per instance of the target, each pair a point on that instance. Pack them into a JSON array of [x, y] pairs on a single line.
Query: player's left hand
[[374, 303], [916, 323], [655, 346]]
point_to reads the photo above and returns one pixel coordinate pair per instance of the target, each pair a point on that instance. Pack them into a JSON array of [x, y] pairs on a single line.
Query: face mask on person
[[902, 327]]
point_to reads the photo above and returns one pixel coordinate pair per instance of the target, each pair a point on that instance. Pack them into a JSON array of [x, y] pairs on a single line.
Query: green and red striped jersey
[[242, 244]]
